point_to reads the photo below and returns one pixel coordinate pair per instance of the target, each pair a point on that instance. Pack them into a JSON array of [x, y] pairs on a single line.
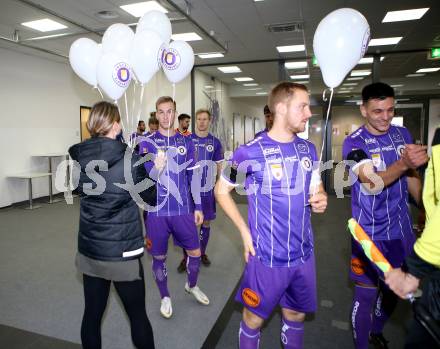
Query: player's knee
[[194, 253], [293, 315], [251, 320]]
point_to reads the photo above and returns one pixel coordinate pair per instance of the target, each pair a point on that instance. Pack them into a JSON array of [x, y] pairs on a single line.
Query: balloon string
[[122, 121], [99, 90], [128, 120], [140, 103], [132, 112]]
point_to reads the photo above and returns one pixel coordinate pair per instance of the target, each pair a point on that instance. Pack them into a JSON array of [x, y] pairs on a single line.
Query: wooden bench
[[29, 176]]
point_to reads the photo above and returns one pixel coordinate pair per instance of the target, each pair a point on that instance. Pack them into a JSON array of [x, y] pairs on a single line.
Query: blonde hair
[[102, 117], [165, 99], [202, 110], [283, 92]]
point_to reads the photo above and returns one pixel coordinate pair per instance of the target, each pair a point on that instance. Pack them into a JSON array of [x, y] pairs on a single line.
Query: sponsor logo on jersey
[[277, 171], [210, 148], [269, 151], [400, 149], [357, 266], [370, 141], [250, 297], [306, 164], [291, 159], [375, 150], [357, 133], [303, 148], [181, 150], [388, 148], [376, 160]]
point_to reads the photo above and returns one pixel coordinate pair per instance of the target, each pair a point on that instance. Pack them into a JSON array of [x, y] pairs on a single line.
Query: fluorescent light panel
[[360, 72], [300, 77], [369, 60], [253, 89], [398, 85], [44, 25], [186, 36], [251, 84], [404, 15], [291, 48], [427, 70], [302, 82], [355, 79], [385, 41], [261, 93], [295, 65], [350, 84], [210, 55], [414, 75], [229, 69], [140, 8], [243, 79]]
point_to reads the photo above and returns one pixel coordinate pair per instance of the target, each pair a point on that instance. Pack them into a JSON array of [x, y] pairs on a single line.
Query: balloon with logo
[[145, 55], [341, 40], [177, 61], [156, 21], [114, 75], [118, 39], [84, 55]]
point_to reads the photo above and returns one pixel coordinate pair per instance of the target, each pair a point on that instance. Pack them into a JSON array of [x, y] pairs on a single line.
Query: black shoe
[[378, 341], [182, 266], [205, 260]]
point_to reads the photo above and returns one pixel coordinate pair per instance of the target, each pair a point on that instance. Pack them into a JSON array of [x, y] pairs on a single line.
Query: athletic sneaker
[[166, 308], [182, 266], [198, 294], [205, 260], [378, 341]]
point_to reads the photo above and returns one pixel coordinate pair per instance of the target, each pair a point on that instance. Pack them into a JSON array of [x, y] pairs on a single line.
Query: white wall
[[41, 101]]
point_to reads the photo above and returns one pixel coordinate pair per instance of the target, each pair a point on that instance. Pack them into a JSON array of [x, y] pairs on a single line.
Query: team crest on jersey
[[210, 148], [277, 171], [396, 137], [306, 164], [400, 149], [303, 148], [250, 297], [376, 159], [181, 150]]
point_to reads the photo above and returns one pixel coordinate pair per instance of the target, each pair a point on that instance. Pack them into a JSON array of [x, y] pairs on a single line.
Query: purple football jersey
[[384, 216], [174, 197], [277, 179], [209, 152]]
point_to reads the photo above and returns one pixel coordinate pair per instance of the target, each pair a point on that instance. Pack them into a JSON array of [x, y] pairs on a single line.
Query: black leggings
[[132, 294]]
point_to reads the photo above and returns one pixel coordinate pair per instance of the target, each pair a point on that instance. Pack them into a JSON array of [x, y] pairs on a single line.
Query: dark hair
[[266, 110], [102, 117], [377, 90], [183, 117], [153, 121], [283, 92], [141, 122]]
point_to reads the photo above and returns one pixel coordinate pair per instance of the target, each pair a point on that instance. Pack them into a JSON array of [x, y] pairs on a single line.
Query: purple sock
[[248, 338], [192, 268], [292, 333], [385, 304], [204, 238], [160, 275], [364, 298]]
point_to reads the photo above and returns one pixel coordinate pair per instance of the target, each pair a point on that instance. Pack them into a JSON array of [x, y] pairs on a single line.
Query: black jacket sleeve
[[149, 195]]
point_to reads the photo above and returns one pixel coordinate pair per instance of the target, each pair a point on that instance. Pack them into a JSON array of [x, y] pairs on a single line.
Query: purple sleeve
[[218, 151], [147, 148], [407, 136]]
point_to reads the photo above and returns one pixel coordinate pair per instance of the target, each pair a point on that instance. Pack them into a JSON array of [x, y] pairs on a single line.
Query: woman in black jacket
[[110, 241]]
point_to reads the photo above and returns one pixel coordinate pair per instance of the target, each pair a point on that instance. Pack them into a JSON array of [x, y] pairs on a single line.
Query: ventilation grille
[[290, 27]]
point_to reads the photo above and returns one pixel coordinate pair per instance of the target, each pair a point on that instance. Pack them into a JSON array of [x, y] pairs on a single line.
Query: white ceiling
[[241, 26]]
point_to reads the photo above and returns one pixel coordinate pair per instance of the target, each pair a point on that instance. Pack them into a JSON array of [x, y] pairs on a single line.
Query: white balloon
[[118, 39], [145, 56], [113, 75], [177, 61], [84, 55], [341, 40], [158, 22]]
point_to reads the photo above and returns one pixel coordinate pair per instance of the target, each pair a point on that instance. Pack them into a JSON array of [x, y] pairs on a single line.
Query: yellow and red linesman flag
[[370, 249]]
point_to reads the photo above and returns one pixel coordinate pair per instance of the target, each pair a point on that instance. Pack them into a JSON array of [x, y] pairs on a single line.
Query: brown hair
[[200, 111], [165, 99], [102, 117], [283, 92], [153, 121]]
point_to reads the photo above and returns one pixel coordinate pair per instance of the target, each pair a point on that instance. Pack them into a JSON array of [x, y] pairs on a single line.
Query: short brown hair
[[165, 99], [153, 121], [283, 92], [202, 110], [102, 117]]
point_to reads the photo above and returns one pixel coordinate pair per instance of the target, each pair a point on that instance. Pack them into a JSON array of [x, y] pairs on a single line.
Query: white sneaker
[[166, 308], [198, 294]]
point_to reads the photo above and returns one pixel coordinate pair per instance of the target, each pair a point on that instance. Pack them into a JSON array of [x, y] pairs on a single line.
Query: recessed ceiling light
[[295, 65], [404, 15], [210, 55], [243, 79], [369, 60], [258, 0], [302, 82], [44, 25], [299, 77], [385, 41], [140, 8], [186, 36], [253, 89], [229, 69], [354, 79], [291, 48], [414, 75], [360, 72], [427, 70], [251, 84], [209, 86], [106, 14], [398, 85], [261, 93], [350, 84]]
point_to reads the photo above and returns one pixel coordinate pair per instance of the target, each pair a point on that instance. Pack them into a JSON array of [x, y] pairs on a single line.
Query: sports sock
[[248, 338], [160, 276], [192, 268], [292, 333], [363, 301]]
